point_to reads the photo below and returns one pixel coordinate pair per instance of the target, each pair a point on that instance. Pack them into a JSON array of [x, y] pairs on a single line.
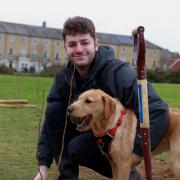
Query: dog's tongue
[[84, 123]]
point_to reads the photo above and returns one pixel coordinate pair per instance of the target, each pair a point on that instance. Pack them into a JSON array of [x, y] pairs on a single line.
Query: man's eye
[[71, 45], [88, 101], [85, 43]]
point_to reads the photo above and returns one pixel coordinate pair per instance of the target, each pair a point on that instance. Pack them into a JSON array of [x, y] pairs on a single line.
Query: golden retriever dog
[[99, 112]]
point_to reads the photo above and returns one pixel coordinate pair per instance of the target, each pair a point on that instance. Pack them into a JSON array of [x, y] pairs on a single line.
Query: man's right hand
[[43, 175]]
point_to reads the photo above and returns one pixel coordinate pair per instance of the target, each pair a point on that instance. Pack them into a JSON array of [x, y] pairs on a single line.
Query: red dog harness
[[104, 139]]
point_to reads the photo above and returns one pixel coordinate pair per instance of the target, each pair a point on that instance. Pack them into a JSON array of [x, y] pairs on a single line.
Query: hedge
[[51, 71], [157, 75], [6, 70], [161, 76]]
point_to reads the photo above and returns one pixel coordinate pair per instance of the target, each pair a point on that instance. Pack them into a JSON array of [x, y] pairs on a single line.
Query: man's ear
[[109, 106], [96, 44]]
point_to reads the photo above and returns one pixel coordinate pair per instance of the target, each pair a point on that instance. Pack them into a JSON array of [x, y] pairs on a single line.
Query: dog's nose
[[70, 109]]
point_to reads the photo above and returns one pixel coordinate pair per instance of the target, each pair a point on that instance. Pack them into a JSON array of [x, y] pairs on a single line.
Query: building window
[[46, 54], [34, 41], [124, 49], [57, 56], [22, 52], [12, 38], [10, 64], [24, 67], [23, 39], [34, 54], [165, 67], [1, 52], [154, 64], [154, 52], [58, 43], [46, 42], [133, 62], [1, 36], [10, 52]]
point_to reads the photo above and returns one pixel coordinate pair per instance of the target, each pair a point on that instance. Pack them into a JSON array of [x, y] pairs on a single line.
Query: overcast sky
[[161, 18]]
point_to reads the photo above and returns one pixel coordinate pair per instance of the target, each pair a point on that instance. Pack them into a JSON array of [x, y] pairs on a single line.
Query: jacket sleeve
[[50, 137]]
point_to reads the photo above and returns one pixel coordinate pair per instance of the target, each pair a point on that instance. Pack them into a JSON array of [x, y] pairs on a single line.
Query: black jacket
[[114, 77]]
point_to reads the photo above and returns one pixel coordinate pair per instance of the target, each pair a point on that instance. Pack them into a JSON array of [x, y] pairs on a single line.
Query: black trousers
[[83, 150]]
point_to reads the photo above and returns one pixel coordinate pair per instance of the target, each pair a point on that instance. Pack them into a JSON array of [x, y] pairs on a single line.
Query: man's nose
[[79, 48]]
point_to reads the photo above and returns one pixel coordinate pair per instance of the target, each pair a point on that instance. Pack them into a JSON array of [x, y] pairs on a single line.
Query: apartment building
[[32, 48]]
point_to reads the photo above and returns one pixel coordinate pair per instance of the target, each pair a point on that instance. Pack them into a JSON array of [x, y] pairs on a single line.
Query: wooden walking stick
[[139, 48]]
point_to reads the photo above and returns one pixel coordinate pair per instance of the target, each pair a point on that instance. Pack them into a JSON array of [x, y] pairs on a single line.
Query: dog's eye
[[88, 101]]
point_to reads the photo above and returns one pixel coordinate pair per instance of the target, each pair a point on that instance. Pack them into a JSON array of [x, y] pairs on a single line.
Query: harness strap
[[112, 131], [104, 139]]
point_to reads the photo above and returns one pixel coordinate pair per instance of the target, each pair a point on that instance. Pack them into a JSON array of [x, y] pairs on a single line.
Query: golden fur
[[98, 111]]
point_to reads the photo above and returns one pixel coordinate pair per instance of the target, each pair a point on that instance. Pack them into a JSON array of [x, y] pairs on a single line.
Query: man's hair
[[77, 24]]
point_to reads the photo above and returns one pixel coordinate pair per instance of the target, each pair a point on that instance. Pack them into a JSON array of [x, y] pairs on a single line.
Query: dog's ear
[[109, 106]]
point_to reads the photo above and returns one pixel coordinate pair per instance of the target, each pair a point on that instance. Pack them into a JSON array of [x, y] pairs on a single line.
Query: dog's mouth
[[81, 122]]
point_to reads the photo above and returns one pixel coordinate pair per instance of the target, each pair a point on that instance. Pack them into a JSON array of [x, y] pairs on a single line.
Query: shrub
[[51, 71], [160, 76], [6, 70], [173, 76]]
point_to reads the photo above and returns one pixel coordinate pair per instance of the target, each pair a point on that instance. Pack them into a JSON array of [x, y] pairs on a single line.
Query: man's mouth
[[82, 122], [77, 56]]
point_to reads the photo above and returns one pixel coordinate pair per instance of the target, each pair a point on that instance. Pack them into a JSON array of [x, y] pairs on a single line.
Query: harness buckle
[[100, 143]]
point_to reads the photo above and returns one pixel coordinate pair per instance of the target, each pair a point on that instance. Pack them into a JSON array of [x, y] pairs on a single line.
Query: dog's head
[[92, 110]]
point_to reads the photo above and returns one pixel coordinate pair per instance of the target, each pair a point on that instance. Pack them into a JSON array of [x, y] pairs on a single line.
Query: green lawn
[[19, 127], [27, 87], [170, 93]]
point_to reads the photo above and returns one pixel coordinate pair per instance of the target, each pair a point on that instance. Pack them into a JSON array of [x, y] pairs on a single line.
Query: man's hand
[[43, 175]]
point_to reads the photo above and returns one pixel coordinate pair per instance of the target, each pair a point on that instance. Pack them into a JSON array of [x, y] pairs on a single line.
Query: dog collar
[[104, 139], [112, 131]]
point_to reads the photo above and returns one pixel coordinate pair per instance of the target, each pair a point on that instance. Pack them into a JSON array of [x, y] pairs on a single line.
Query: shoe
[[134, 175]]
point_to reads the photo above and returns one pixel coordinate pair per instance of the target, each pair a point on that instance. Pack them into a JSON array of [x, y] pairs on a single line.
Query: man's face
[[80, 49]]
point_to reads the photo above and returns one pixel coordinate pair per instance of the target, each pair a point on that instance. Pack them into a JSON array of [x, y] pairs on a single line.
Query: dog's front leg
[[121, 163], [121, 172], [114, 170], [122, 147], [124, 169]]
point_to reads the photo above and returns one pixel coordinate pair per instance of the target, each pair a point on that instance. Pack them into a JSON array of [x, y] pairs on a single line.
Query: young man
[[90, 66]]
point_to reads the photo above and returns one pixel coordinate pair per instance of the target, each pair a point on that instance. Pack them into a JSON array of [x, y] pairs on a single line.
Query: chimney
[[44, 24]]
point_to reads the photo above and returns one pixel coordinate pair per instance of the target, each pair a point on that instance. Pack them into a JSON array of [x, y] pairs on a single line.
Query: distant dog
[[104, 115]]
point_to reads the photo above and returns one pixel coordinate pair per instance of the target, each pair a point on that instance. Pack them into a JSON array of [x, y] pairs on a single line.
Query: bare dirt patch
[[160, 171]]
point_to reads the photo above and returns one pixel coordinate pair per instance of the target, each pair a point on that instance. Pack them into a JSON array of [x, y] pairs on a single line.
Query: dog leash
[[39, 129], [66, 120]]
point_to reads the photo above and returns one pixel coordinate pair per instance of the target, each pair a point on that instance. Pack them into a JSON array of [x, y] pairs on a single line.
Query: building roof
[[29, 30], [117, 39], [54, 33]]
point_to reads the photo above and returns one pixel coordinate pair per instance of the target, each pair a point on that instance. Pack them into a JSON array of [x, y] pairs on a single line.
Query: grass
[[19, 87], [169, 93], [18, 136], [19, 127]]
